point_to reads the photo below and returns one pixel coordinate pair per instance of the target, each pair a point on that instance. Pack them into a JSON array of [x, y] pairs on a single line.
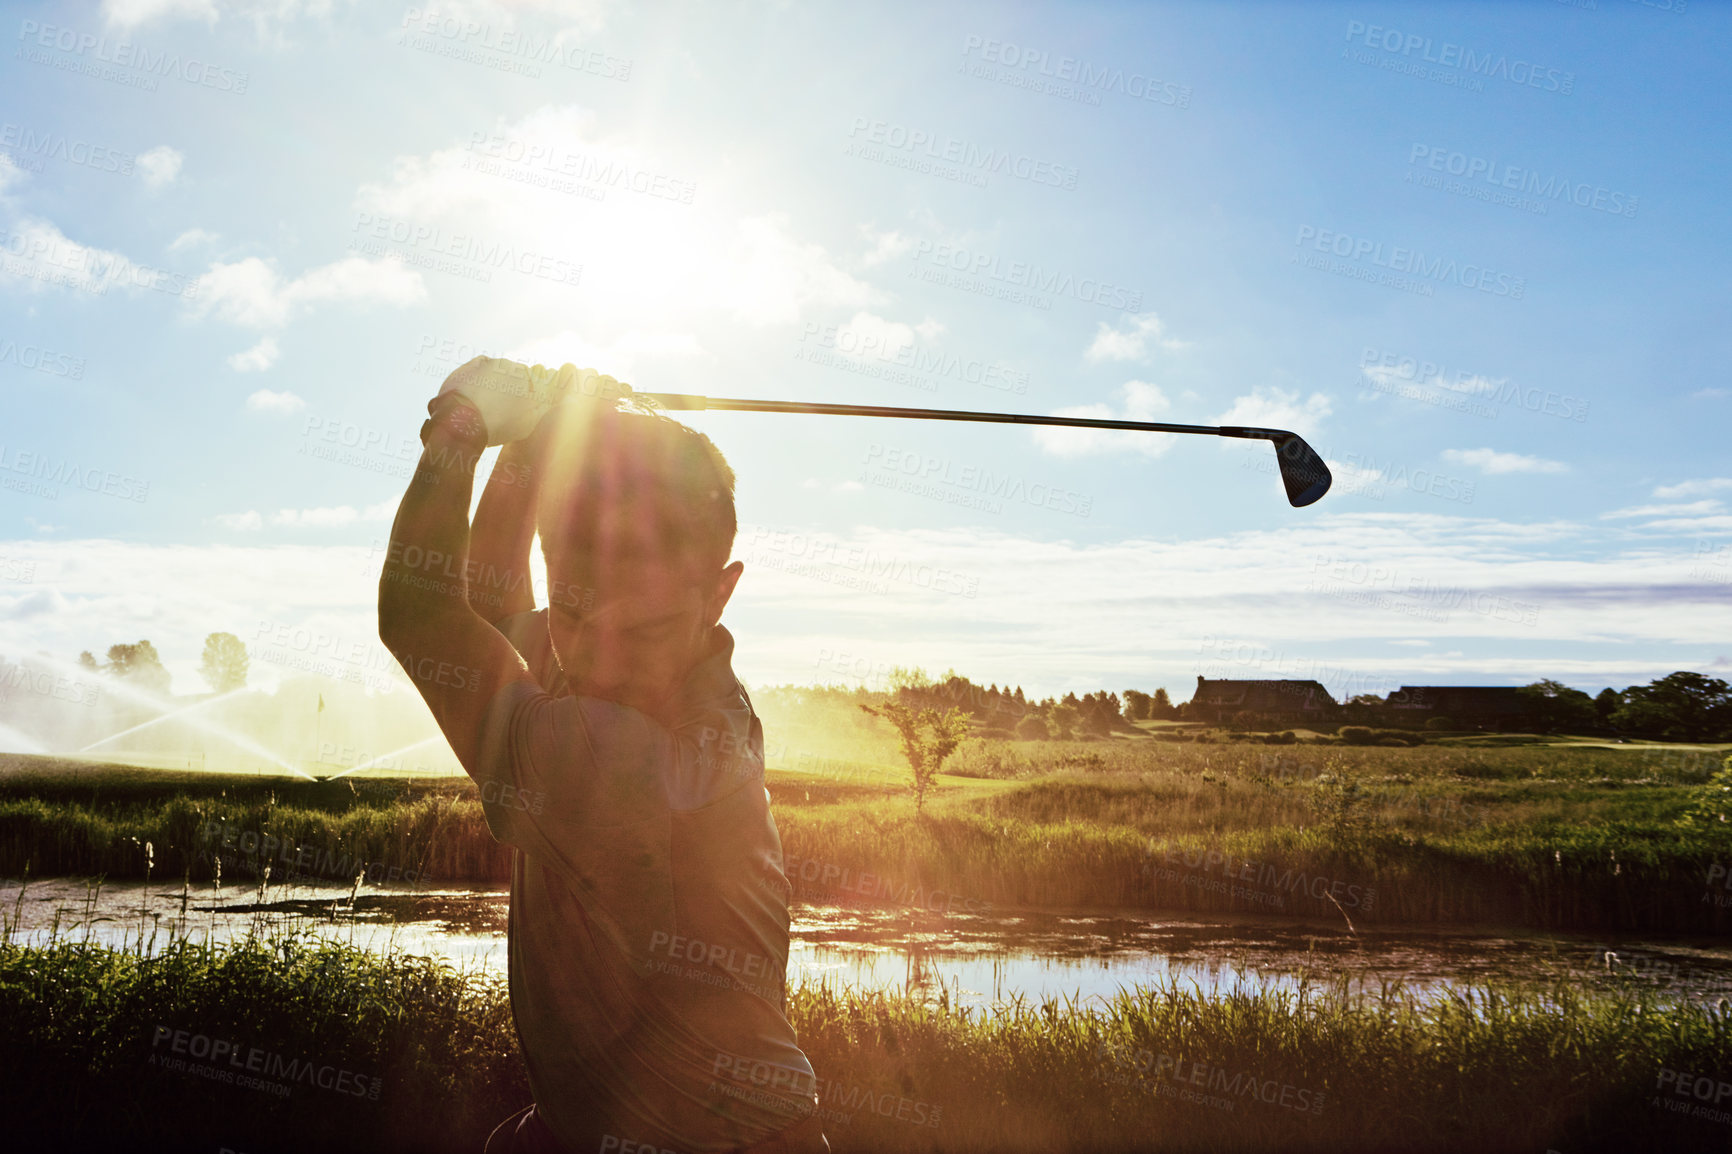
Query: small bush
[[1285, 737], [1356, 734], [1440, 724], [1032, 728]]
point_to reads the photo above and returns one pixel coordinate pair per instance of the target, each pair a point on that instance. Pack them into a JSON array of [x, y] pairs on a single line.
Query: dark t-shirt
[[649, 912]]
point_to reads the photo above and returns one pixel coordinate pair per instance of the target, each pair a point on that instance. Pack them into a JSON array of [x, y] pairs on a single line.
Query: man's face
[[630, 629]]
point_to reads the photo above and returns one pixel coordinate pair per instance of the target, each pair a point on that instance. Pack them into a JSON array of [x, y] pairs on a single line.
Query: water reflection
[[965, 959]]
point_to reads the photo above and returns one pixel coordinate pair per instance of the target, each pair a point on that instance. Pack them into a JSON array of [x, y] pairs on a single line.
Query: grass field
[[91, 1042], [1567, 835]]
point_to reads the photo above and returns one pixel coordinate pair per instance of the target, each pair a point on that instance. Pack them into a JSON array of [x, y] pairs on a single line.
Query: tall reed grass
[[1165, 1068]]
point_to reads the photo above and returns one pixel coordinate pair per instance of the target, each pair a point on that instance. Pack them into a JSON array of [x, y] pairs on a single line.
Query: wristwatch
[[456, 414]]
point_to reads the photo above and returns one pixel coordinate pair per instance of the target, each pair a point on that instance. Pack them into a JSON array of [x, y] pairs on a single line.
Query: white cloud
[[268, 17], [256, 359], [1273, 408], [1225, 605], [709, 261], [868, 336], [1694, 508], [240, 522], [886, 246], [1492, 462], [776, 276], [283, 404], [1131, 342], [10, 173], [251, 294], [1710, 394], [57, 259], [1693, 488], [190, 238], [1350, 479], [132, 13], [620, 356], [1139, 401], [159, 166]]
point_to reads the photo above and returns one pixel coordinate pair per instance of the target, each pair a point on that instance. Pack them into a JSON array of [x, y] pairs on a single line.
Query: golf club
[[1303, 472]]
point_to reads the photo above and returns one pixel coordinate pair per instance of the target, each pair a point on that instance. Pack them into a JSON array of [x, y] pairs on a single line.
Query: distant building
[[1275, 701], [1470, 706]]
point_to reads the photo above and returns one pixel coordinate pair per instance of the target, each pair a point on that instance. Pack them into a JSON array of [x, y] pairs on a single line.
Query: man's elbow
[[401, 614]]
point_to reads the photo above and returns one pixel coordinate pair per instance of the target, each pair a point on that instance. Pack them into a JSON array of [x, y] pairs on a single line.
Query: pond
[[973, 959]]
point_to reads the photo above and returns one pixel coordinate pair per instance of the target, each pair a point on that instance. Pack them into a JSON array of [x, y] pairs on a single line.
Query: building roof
[[1263, 696], [1461, 700]]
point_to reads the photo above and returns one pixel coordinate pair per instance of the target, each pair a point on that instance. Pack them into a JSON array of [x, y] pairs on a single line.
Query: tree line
[[1682, 706], [223, 665]]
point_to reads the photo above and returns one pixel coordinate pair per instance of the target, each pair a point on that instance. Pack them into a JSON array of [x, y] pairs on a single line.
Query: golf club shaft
[[689, 401]]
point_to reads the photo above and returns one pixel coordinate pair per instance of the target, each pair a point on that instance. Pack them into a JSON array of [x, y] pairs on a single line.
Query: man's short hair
[[639, 479]]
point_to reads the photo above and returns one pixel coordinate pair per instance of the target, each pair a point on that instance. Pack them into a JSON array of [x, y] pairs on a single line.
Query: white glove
[[510, 397]]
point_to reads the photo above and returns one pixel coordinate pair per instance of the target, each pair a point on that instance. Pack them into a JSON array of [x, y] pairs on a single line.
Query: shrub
[[1032, 728], [1440, 724], [1356, 734], [1285, 737]]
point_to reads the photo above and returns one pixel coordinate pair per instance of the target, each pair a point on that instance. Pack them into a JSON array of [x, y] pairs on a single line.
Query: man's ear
[[724, 589]]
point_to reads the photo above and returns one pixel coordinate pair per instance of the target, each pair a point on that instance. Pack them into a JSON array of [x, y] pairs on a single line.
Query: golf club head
[[1303, 472]]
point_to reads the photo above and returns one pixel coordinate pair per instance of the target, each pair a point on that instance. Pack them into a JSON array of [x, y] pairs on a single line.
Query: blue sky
[[1472, 252]]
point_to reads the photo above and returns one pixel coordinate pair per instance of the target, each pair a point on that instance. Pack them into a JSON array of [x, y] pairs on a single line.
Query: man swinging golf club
[[615, 751]]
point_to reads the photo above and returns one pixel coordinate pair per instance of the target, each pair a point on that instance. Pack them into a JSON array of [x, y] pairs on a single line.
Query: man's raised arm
[[457, 660], [503, 532]]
